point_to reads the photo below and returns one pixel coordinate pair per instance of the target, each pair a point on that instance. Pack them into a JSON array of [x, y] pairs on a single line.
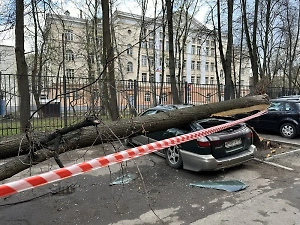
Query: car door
[[271, 120], [149, 137]]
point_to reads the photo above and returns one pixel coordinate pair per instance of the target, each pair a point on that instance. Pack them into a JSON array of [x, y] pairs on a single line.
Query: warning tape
[[76, 169]]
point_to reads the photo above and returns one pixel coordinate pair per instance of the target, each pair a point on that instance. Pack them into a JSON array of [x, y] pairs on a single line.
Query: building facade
[[141, 51]]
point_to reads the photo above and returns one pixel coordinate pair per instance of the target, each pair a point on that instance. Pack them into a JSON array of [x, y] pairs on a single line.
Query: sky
[[129, 6]]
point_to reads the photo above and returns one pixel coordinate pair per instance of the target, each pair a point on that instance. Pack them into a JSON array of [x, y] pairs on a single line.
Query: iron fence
[[58, 102]]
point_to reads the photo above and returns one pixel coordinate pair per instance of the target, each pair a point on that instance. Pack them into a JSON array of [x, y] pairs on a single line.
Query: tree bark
[[22, 69], [174, 90], [108, 56]]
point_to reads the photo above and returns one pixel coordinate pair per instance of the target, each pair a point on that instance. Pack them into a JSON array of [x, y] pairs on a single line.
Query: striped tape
[[76, 169]]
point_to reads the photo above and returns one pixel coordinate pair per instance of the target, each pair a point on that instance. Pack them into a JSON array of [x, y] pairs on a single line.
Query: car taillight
[[249, 135], [203, 142]]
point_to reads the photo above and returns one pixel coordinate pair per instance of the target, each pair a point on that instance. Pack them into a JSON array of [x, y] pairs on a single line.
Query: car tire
[[173, 157], [288, 130]]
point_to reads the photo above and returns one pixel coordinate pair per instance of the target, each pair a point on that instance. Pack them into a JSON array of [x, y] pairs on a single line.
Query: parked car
[[283, 117], [224, 149]]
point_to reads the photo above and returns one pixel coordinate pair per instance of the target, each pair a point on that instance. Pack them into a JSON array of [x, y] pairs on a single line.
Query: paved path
[[276, 137]]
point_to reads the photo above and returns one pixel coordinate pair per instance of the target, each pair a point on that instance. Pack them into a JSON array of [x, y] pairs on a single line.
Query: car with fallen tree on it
[[227, 148]]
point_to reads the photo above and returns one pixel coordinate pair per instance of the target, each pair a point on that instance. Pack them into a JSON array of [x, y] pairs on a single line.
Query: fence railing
[[70, 103]]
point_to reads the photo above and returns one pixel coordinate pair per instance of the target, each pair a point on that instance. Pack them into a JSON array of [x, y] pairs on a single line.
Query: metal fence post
[[135, 95], [186, 92]]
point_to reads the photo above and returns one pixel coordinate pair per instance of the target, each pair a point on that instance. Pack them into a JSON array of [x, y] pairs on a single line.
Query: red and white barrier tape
[[73, 170]]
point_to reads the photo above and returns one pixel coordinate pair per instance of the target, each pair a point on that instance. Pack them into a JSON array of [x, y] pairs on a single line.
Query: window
[[164, 97], [68, 35], [143, 44], [207, 51], [147, 97], [212, 51], [184, 64], [198, 80], [212, 43], [193, 49], [167, 62], [69, 55], [212, 67], [207, 42], [151, 44], [199, 41], [144, 32], [99, 41], [193, 40], [151, 78], [206, 80], [192, 79], [151, 61], [276, 106], [221, 73], [161, 35], [193, 65], [198, 50], [198, 65], [211, 80], [70, 73], [72, 93], [144, 77], [130, 84], [129, 67], [167, 46], [144, 60], [129, 49], [168, 79], [189, 97], [207, 66], [91, 58]]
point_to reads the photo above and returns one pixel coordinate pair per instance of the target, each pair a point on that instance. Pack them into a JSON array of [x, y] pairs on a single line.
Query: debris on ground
[[124, 179], [226, 185], [270, 148]]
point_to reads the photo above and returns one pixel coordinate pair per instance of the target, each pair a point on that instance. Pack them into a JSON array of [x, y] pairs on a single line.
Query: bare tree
[[22, 69], [226, 59], [108, 60], [174, 90]]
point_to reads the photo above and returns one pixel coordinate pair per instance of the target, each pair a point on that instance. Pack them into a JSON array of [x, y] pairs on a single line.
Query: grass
[[9, 127]]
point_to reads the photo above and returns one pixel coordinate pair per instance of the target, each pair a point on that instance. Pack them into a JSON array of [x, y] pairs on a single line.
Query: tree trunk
[[87, 136], [108, 55], [174, 90], [22, 70]]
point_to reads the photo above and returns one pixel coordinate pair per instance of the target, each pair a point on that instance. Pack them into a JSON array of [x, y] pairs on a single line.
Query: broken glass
[[124, 179], [226, 185]]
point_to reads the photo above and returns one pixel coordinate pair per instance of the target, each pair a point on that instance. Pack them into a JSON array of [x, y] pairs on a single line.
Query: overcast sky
[[130, 6]]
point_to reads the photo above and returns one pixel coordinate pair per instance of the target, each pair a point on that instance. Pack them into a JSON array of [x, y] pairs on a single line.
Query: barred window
[[69, 55], [129, 67], [68, 35]]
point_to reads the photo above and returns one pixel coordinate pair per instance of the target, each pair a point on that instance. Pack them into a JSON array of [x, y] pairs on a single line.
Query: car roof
[[171, 106], [292, 98]]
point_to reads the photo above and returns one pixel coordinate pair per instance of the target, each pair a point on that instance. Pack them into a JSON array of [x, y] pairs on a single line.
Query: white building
[[8, 70]]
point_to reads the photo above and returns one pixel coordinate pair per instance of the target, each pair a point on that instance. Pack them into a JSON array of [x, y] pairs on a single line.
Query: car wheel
[[288, 130], [173, 157]]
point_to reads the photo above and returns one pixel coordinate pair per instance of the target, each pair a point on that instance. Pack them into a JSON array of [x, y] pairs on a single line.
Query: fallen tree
[[33, 148]]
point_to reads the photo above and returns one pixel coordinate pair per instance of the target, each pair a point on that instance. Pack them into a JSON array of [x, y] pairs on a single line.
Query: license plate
[[233, 143]]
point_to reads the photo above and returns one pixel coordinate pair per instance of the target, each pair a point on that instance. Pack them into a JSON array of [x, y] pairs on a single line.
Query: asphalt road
[[159, 195]]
